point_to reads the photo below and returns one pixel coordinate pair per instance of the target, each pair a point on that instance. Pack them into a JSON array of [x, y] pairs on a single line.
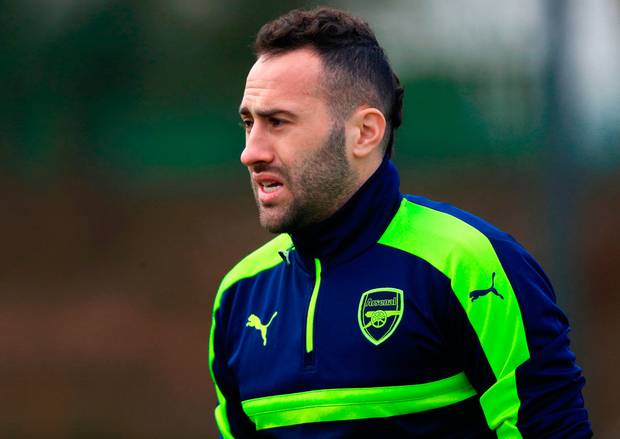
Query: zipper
[[311, 308]]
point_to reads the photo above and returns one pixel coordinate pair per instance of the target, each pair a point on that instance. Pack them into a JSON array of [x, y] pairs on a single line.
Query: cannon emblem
[[379, 313]]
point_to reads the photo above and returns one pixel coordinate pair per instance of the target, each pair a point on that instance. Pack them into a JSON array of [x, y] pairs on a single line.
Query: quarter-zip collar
[[357, 225]]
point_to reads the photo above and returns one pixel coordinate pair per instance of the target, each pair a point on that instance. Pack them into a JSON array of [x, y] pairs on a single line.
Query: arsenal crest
[[379, 313]]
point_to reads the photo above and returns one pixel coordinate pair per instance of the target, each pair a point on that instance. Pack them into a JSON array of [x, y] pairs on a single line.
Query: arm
[[515, 348], [512, 345], [229, 416]]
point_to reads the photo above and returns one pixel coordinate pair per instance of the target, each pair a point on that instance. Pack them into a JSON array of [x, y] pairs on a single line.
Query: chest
[[372, 322]]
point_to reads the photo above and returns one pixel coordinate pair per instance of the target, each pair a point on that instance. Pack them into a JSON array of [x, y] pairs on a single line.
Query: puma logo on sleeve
[[479, 293]]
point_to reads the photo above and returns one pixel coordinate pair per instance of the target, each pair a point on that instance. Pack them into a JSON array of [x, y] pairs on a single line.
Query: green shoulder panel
[[467, 257], [261, 259]]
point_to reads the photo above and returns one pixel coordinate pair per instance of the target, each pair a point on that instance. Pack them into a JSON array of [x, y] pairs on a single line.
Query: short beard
[[321, 184]]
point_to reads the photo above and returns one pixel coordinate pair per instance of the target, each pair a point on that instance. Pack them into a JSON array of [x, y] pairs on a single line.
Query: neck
[[357, 224], [362, 176]]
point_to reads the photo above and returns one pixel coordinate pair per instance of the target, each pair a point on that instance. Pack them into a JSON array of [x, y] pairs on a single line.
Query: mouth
[[270, 187]]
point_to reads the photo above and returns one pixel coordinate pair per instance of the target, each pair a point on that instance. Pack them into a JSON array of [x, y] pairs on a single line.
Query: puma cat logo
[[479, 293], [254, 322]]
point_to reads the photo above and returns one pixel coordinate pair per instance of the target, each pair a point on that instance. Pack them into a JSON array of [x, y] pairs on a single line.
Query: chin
[[275, 228], [272, 223], [283, 220]]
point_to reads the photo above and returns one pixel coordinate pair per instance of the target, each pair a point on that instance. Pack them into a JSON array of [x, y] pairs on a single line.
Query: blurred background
[[123, 201]]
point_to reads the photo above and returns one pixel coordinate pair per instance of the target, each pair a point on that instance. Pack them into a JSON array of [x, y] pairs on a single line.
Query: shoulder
[[261, 259], [422, 225], [455, 242]]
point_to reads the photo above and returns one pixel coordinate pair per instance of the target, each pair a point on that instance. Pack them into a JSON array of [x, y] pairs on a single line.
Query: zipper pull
[[284, 254]]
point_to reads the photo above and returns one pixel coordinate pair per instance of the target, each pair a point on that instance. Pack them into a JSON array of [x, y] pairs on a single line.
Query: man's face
[[294, 149]]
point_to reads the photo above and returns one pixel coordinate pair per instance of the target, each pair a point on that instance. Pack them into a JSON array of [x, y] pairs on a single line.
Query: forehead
[[290, 78]]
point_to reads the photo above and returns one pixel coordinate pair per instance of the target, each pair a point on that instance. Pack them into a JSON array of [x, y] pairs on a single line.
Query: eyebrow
[[266, 112]]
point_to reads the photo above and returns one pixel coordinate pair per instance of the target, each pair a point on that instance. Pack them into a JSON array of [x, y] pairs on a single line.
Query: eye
[[275, 122], [246, 124]]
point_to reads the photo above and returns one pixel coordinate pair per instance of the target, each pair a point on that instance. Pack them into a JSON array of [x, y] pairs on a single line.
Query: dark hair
[[357, 70]]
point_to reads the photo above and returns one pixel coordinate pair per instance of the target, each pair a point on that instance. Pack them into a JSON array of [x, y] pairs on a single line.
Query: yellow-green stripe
[[260, 260], [466, 257], [355, 403], [311, 307]]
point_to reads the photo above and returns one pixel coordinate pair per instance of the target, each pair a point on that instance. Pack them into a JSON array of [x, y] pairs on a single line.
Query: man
[[372, 312]]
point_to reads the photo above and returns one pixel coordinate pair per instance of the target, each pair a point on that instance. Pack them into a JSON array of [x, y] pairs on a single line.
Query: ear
[[367, 126]]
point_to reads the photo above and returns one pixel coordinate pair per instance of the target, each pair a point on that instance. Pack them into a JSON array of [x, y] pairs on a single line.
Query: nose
[[258, 148]]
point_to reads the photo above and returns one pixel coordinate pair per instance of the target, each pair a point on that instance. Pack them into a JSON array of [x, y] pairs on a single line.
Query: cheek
[[300, 146], [293, 150]]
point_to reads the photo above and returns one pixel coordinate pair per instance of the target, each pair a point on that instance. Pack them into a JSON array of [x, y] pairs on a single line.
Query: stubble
[[320, 183]]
